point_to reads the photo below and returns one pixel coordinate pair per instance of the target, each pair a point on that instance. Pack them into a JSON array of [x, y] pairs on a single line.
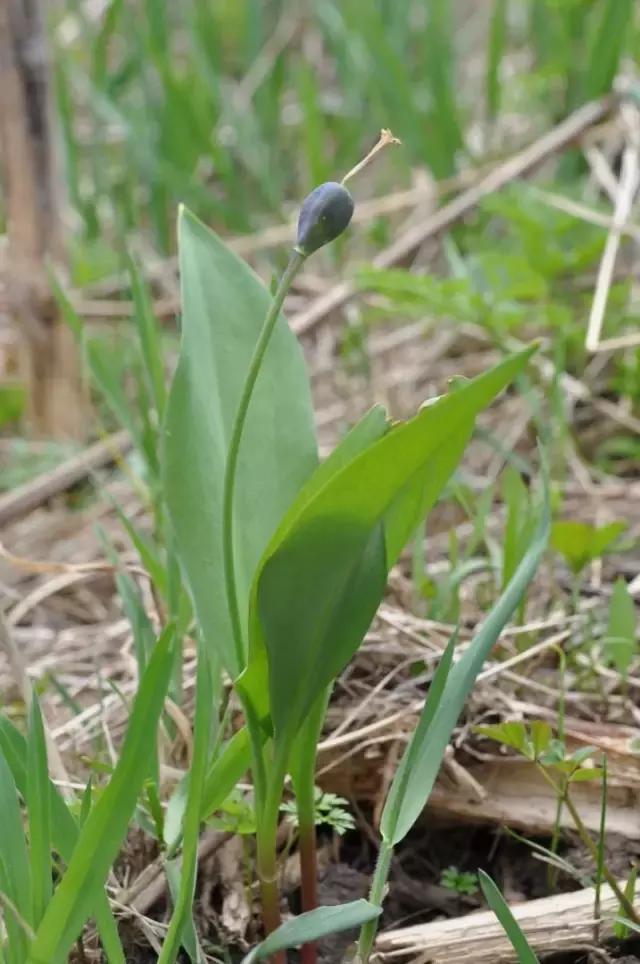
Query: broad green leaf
[[106, 826], [405, 795], [205, 702], [302, 765], [512, 733], [583, 753], [323, 574], [621, 640], [313, 925], [15, 870], [581, 543], [368, 430], [540, 734], [512, 929], [224, 306], [39, 814], [585, 774], [337, 571], [416, 498], [460, 681]]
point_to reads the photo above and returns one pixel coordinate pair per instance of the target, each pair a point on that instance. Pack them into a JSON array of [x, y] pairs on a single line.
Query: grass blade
[[15, 875], [462, 677], [149, 336], [406, 793], [497, 44], [512, 929], [39, 813], [313, 925], [106, 826], [64, 832], [205, 703]]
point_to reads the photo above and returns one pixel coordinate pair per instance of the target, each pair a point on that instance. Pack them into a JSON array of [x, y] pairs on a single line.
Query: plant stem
[[376, 896], [586, 839], [308, 880], [231, 466], [306, 807], [266, 840], [303, 774], [585, 836]]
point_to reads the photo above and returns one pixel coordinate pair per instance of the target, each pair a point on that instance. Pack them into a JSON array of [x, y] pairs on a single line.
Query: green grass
[[239, 108]]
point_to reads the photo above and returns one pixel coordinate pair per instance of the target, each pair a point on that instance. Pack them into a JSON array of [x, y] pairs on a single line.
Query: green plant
[[53, 879], [461, 881], [286, 560], [560, 769], [620, 644], [330, 809], [511, 927], [580, 543]]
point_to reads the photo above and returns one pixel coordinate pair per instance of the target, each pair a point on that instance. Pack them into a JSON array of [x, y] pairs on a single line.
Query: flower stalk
[[324, 215]]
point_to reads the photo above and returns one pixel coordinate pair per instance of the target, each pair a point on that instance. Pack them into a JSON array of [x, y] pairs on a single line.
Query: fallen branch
[[26, 497], [555, 923], [514, 795]]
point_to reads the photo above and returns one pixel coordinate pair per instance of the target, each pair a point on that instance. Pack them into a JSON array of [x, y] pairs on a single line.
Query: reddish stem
[[270, 899], [308, 883]]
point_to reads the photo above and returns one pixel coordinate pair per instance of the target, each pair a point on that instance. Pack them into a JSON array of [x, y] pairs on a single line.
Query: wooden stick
[[517, 166], [627, 188], [26, 497], [551, 924]]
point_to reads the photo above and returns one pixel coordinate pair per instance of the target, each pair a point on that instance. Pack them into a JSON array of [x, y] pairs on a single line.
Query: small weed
[[460, 881]]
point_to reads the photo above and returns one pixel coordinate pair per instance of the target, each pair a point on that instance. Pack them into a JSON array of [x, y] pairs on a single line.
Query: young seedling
[[560, 769], [460, 881], [580, 543]]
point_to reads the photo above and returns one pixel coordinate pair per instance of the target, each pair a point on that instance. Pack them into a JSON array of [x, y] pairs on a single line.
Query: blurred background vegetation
[[238, 108]]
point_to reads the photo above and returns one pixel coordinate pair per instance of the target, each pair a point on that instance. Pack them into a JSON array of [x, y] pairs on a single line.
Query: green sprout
[[461, 881], [330, 810]]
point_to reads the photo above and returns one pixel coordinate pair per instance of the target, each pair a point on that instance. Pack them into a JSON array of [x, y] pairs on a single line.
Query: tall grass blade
[[39, 814], [427, 756], [107, 824], [205, 703], [512, 929], [496, 51], [64, 832], [15, 868]]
